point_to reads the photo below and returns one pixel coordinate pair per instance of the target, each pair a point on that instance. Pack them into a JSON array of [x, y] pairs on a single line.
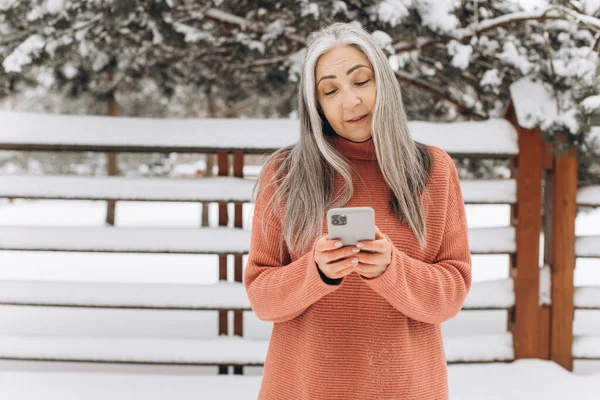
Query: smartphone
[[351, 224]]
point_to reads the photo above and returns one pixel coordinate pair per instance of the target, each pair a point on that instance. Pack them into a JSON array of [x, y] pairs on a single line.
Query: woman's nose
[[350, 101]]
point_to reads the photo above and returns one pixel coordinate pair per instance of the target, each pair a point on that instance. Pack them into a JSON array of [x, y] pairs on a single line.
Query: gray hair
[[303, 174]]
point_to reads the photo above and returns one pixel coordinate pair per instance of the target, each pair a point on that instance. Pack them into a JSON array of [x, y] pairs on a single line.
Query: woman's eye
[[358, 83]]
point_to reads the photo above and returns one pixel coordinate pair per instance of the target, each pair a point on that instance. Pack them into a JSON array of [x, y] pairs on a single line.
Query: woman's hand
[[332, 259], [373, 265]]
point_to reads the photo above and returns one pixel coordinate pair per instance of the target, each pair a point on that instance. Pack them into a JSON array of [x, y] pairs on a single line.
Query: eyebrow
[[347, 73]]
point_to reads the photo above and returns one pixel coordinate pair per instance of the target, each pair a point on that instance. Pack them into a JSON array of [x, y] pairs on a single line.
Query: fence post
[[526, 275], [238, 315], [223, 163], [112, 168], [564, 193]]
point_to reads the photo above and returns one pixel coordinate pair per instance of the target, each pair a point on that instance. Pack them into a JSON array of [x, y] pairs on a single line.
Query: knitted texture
[[364, 338]]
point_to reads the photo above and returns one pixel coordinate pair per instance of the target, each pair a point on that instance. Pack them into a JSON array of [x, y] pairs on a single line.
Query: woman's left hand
[[373, 265]]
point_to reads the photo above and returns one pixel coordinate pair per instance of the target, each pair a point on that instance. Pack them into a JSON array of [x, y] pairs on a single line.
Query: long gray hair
[[303, 174]]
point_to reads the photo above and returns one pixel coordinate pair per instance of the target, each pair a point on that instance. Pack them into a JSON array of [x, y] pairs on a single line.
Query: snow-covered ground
[[525, 379]]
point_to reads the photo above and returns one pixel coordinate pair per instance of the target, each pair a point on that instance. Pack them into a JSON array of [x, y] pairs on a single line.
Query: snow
[[23, 54], [520, 380], [494, 137], [490, 137], [591, 6], [392, 11], [383, 40], [587, 246], [491, 78], [586, 346], [231, 295], [545, 296], [224, 349], [7, 4], [533, 102], [589, 195], [460, 54], [511, 55], [126, 239], [497, 240], [55, 6], [437, 14], [494, 294], [226, 189], [501, 191], [587, 297], [591, 104], [491, 294]]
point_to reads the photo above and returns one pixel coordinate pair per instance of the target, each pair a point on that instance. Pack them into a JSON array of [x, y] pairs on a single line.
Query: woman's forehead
[[341, 57]]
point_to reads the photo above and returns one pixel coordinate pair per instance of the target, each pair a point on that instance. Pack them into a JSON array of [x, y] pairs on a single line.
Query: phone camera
[[338, 219]]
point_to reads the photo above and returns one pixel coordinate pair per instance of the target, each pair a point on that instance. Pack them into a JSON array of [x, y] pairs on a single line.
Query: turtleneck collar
[[355, 150]]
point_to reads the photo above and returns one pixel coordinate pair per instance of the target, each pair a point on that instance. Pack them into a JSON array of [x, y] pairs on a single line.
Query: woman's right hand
[[332, 259]]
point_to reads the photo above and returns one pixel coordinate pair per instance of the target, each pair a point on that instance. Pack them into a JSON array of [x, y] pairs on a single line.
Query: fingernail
[[360, 244], [338, 244], [355, 260], [355, 249]]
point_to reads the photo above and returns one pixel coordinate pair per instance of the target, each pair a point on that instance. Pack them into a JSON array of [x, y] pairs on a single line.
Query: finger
[[341, 253], [325, 244], [373, 246], [380, 235], [366, 258], [343, 267]]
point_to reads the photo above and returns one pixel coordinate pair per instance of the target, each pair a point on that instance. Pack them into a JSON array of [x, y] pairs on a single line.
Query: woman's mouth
[[358, 120]]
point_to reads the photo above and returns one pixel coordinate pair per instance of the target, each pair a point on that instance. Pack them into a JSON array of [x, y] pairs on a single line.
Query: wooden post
[[112, 168], [564, 212], [544, 316], [528, 226], [210, 162], [238, 316], [223, 164]]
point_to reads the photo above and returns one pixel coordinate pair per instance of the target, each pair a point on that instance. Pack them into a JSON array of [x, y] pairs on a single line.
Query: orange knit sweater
[[364, 338]]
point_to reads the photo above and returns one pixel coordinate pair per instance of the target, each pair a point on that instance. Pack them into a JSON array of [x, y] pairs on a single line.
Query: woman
[[349, 324]]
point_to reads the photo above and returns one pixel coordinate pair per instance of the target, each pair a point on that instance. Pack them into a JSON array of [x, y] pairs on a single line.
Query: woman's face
[[346, 90]]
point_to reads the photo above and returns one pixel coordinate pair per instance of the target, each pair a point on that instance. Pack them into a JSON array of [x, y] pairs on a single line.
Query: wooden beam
[[528, 226], [222, 161], [564, 212]]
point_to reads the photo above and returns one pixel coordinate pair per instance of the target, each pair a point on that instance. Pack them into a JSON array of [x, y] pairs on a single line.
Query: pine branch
[[423, 85], [479, 28]]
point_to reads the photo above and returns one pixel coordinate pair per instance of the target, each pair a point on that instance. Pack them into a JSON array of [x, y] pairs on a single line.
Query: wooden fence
[[534, 329]]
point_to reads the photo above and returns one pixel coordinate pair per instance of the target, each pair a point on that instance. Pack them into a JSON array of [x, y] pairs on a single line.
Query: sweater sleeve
[[280, 291], [432, 292]]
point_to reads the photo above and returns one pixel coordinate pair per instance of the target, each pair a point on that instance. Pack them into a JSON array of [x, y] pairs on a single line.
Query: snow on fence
[[500, 138]]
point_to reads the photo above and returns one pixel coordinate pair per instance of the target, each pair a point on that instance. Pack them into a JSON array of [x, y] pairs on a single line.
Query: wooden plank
[[563, 243], [222, 295], [493, 138], [220, 240], [221, 351], [589, 196], [587, 246], [529, 221], [157, 296], [204, 189], [70, 187]]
